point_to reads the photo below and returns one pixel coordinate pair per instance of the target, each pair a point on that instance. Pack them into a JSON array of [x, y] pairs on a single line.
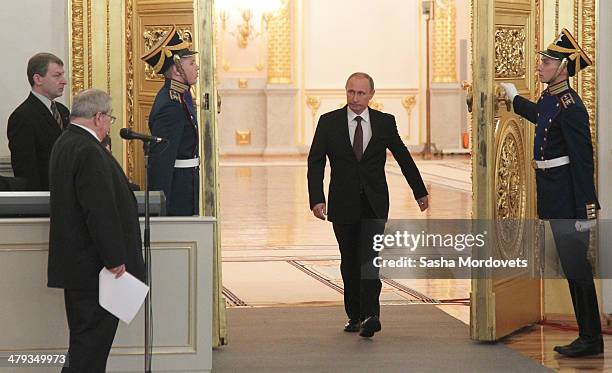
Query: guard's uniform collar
[[178, 86], [558, 88]]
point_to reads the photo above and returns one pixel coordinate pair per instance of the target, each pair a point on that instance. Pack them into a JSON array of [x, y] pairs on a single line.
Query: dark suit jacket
[[32, 131], [332, 140], [94, 216]]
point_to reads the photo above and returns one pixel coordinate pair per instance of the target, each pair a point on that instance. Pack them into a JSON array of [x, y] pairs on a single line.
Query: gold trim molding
[[130, 149], [78, 25], [588, 79]]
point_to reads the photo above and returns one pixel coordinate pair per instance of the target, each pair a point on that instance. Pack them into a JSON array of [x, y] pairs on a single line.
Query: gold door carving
[[510, 52], [511, 194], [145, 23]]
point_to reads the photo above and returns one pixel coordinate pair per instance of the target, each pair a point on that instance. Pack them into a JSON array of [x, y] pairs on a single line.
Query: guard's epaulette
[[563, 91], [567, 100], [176, 90]]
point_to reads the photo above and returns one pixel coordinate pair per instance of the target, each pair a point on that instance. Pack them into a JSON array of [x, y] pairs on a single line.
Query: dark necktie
[[56, 114], [358, 139]]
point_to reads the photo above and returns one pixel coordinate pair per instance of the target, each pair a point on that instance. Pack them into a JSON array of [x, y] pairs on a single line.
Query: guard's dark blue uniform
[[567, 193], [173, 117], [562, 129]]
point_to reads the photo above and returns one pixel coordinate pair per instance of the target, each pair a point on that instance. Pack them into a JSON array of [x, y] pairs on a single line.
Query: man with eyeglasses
[[94, 225], [355, 138], [36, 124]]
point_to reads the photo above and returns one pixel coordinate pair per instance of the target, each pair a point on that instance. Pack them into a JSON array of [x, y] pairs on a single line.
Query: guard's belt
[[187, 163], [551, 163]]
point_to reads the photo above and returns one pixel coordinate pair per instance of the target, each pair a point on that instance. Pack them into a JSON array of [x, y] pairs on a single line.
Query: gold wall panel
[[444, 61], [279, 46]]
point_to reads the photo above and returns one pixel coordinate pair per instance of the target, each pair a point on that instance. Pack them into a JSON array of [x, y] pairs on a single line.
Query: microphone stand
[[148, 347]]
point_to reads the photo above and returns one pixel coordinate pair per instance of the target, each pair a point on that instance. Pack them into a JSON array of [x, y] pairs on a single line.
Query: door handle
[[469, 99], [500, 96]]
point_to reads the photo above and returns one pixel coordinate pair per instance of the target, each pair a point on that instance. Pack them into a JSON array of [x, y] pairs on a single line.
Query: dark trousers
[[361, 283], [92, 330], [572, 247]]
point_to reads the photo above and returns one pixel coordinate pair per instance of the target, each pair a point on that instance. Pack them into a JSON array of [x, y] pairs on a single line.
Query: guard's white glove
[[585, 225], [510, 89]]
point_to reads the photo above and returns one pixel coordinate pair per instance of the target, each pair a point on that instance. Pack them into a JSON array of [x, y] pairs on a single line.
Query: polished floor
[[275, 253]]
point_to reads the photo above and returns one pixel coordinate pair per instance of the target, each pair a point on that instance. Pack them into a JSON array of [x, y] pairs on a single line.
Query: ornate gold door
[[146, 22], [504, 43]]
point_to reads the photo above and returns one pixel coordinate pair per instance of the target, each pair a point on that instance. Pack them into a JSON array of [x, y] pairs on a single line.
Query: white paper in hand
[[121, 296]]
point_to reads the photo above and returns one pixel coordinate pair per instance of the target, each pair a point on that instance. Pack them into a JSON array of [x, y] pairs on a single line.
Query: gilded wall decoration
[[313, 104], [510, 181], [108, 49], [376, 105], [588, 79], [444, 65], [510, 44], [130, 150], [408, 103], [279, 46], [81, 49], [243, 137], [78, 49], [151, 36], [89, 50]]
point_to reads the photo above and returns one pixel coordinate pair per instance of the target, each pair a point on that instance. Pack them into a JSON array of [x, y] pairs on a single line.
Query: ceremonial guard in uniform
[[174, 166], [563, 160]]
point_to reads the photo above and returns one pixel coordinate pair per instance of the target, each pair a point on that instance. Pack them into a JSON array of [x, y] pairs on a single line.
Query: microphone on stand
[[128, 134], [147, 140]]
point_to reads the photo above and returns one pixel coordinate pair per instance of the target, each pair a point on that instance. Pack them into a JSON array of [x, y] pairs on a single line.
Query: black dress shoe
[[352, 326], [369, 326], [582, 347]]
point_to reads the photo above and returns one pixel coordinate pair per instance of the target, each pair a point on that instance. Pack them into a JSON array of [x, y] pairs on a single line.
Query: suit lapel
[[374, 125], [43, 111], [345, 135]]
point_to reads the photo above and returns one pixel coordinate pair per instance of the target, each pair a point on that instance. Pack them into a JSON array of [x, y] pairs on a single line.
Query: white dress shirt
[[44, 99], [88, 130], [366, 126]]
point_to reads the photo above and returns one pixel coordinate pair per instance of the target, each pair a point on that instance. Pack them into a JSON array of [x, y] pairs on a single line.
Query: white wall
[[26, 28], [378, 37]]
